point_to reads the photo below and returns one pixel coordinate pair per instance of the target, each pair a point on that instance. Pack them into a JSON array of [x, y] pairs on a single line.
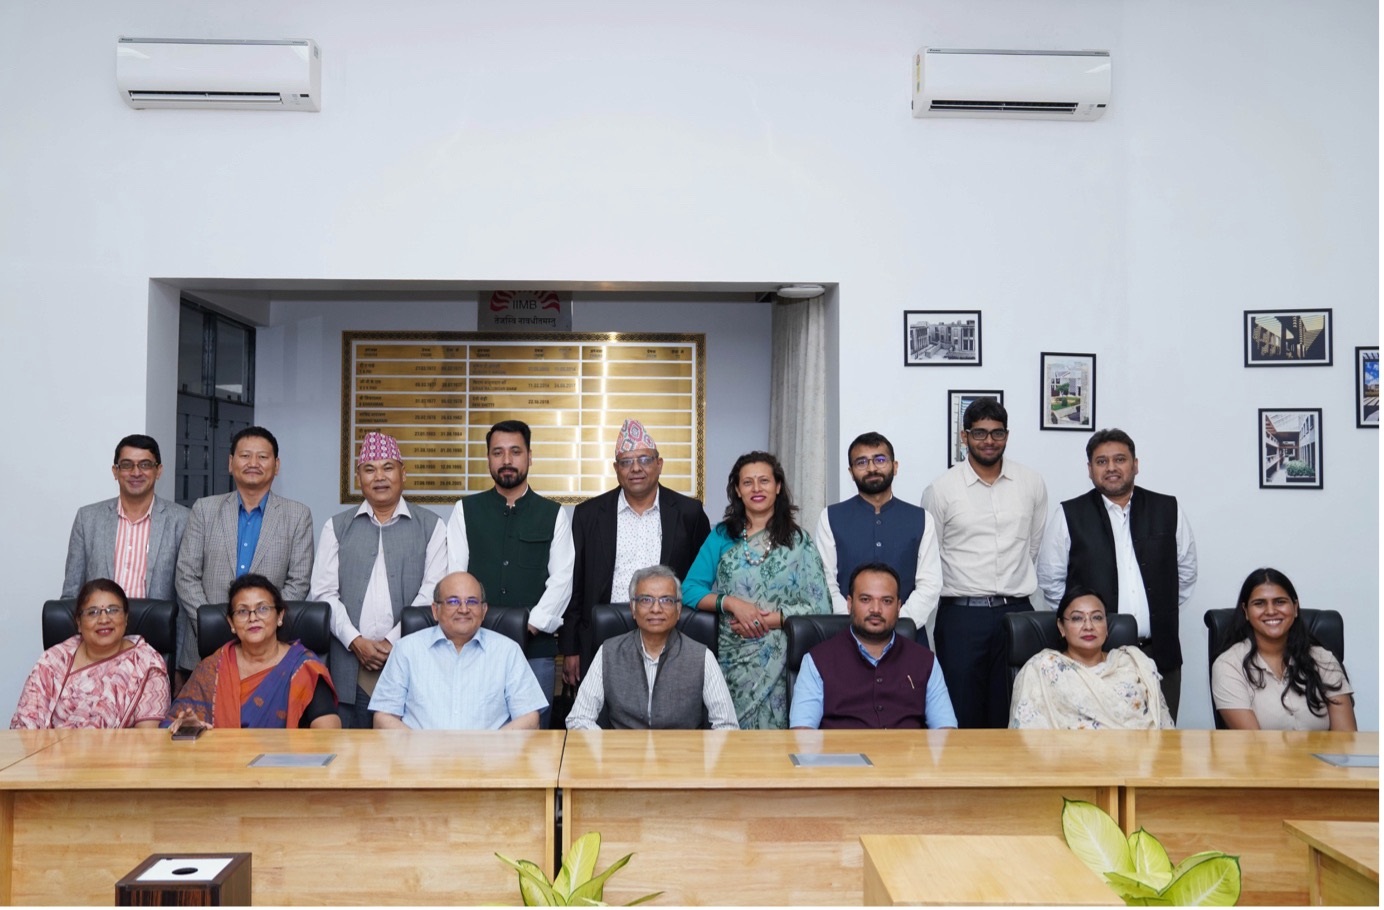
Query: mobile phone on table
[[188, 731]]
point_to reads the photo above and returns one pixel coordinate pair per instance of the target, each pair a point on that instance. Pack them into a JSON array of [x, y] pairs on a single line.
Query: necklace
[[756, 555]]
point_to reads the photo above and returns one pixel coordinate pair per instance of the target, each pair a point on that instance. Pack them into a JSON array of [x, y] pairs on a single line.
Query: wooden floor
[[406, 817]]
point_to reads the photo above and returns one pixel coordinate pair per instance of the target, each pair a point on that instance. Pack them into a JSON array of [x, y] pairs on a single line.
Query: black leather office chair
[[610, 620], [511, 622], [806, 632], [155, 620], [1325, 627], [308, 621], [1030, 631]]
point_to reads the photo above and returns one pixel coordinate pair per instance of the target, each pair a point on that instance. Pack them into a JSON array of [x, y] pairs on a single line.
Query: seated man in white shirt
[[654, 678], [457, 675]]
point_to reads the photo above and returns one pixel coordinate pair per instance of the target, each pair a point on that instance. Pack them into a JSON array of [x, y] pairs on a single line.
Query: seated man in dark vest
[[654, 678], [867, 677]]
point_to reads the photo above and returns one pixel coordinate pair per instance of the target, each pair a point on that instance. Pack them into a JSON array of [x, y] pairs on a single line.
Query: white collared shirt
[[988, 534], [638, 543], [376, 609]]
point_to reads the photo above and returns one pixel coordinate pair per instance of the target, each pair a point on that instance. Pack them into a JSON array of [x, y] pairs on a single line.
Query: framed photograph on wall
[[1290, 448], [1068, 392], [958, 401], [1287, 338], [1367, 387], [941, 338]]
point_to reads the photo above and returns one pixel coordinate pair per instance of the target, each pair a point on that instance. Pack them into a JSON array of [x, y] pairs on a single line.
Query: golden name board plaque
[[439, 392]]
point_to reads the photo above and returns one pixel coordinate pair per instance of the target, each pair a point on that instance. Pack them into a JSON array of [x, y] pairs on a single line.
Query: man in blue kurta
[[873, 526]]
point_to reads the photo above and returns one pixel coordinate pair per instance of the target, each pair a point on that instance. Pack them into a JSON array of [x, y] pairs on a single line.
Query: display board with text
[[438, 393]]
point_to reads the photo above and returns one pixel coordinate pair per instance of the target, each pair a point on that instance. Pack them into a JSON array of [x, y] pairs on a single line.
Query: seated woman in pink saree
[[257, 680], [99, 677]]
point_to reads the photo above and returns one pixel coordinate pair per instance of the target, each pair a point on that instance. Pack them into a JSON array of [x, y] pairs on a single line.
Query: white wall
[[724, 141], [298, 380]]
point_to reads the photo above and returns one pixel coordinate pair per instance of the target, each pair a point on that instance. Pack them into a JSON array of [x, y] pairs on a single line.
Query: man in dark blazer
[[249, 529], [145, 529], [638, 524]]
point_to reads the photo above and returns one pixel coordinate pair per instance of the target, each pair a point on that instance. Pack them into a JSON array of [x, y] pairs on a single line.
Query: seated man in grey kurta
[[654, 678]]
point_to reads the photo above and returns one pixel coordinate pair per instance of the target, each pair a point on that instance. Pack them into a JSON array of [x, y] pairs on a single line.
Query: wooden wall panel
[[351, 847], [783, 846]]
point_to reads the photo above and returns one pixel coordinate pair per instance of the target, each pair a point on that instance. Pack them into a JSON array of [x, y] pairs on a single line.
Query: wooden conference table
[[404, 817], [397, 817]]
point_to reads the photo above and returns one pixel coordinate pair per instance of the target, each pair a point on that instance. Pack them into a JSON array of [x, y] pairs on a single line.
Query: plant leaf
[[1212, 882], [1094, 837], [1127, 886], [595, 888], [1151, 884], [1150, 859], [533, 884], [578, 864], [1194, 859], [645, 899]]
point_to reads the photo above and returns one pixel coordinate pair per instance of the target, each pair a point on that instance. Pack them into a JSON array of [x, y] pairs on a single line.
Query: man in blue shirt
[[866, 677], [457, 675], [250, 529]]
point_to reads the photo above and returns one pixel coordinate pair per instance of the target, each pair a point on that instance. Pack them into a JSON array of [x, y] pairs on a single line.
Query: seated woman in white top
[[1270, 674], [1082, 687]]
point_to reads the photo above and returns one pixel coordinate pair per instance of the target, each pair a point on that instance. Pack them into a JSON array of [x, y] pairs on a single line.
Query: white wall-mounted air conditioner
[[214, 73], [1025, 85]]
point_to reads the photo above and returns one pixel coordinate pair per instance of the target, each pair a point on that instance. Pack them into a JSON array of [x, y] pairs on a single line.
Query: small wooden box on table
[[228, 888]]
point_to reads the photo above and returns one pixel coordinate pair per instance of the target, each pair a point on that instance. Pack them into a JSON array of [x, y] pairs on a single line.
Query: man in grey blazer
[[248, 530], [133, 538]]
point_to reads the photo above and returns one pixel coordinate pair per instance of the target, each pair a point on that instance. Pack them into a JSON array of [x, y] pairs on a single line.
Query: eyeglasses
[[864, 461], [980, 435], [648, 600], [456, 603], [97, 612], [625, 464], [244, 613], [1080, 619], [126, 465]]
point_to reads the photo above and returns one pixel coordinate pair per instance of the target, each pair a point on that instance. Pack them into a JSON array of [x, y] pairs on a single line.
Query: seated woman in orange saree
[[256, 680], [293, 693]]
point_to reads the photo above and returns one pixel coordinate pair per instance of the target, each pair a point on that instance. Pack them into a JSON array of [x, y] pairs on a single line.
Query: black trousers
[[1171, 685], [971, 652]]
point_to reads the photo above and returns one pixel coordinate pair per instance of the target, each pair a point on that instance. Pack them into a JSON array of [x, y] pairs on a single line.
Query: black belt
[[997, 600]]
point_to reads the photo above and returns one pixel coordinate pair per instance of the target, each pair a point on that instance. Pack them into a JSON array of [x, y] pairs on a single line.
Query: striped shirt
[[131, 556]]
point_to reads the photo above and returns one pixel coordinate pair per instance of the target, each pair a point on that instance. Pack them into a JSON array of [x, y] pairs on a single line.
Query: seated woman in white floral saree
[[1083, 687]]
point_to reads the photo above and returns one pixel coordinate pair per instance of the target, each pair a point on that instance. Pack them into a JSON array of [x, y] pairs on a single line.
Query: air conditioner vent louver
[[266, 97], [1057, 107]]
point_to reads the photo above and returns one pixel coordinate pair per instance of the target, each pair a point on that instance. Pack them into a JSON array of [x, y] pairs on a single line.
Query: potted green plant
[[576, 883], [1138, 868]]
